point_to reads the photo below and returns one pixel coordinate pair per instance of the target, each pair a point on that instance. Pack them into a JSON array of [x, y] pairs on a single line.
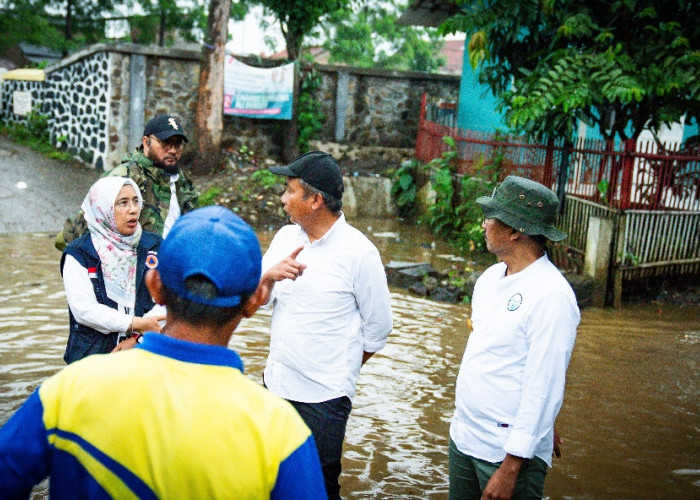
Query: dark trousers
[[327, 421], [469, 475]]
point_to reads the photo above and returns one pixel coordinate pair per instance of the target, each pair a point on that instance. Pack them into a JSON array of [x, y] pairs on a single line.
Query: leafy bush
[[454, 216], [207, 197], [310, 118], [266, 179], [35, 134], [404, 189]]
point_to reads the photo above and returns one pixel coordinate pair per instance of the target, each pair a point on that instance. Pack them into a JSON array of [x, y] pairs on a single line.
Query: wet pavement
[[36, 192]]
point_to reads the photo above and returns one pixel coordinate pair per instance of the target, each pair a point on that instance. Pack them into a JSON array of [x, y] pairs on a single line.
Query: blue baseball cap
[[217, 244]]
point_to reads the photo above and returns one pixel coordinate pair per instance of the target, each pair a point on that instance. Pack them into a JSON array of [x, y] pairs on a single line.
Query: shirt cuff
[[521, 444], [373, 346]]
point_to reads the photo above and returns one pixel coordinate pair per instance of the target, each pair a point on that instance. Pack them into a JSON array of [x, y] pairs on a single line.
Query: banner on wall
[[258, 92]]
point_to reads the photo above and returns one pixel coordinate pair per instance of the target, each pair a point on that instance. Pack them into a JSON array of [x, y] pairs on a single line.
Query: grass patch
[[207, 197], [35, 134]]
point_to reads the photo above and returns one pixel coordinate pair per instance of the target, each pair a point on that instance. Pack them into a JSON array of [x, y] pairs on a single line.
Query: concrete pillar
[[341, 104], [367, 197], [597, 261], [137, 99]]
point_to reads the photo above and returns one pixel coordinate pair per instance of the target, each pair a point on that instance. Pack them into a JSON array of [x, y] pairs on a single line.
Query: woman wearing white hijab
[[103, 272]]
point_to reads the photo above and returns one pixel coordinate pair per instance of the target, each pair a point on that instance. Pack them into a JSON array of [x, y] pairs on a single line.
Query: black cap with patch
[[164, 127], [318, 169]]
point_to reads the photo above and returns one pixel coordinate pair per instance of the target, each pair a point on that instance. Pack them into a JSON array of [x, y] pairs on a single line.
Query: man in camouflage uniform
[[167, 192]]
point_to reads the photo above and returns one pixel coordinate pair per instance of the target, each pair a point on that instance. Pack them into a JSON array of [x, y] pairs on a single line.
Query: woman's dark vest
[[83, 340]]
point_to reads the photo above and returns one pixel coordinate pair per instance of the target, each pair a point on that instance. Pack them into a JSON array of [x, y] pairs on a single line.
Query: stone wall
[[100, 98], [75, 96], [362, 108], [167, 84], [10, 86], [381, 107]]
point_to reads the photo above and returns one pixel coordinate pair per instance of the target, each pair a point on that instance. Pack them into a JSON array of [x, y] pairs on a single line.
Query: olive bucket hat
[[524, 205]]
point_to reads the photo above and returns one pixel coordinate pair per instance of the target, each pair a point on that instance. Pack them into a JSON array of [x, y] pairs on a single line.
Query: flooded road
[[630, 420]]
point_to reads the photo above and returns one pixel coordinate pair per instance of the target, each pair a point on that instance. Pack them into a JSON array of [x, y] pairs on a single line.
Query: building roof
[[453, 50], [38, 54], [431, 13]]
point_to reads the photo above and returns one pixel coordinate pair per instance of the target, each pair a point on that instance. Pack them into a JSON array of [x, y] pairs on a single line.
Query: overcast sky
[[248, 38]]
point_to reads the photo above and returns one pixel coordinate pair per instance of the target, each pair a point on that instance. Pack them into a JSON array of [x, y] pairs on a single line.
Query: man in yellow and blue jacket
[[174, 417]]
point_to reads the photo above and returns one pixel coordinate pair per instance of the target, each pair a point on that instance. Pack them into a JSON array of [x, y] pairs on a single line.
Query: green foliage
[[51, 24], [266, 179], [35, 134], [455, 215], [190, 21], [310, 118], [404, 189], [207, 197], [629, 259], [621, 65], [47, 23], [297, 19], [364, 36], [27, 22], [603, 187], [246, 152]]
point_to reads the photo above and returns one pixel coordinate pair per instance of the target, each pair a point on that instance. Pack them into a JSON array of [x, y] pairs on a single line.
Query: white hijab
[[117, 252]]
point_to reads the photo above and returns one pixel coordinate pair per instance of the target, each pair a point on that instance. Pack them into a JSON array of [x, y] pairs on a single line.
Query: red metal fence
[[622, 176]]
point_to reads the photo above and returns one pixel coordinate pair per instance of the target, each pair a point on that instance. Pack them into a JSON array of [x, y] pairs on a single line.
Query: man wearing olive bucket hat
[[511, 382]]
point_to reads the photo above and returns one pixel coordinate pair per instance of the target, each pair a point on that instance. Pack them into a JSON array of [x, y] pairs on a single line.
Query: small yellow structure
[[28, 74]]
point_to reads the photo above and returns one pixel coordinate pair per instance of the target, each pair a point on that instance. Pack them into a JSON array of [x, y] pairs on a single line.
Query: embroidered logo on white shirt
[[514, 302]]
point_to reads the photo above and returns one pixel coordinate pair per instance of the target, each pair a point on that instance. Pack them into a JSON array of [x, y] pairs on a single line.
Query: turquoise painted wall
[[690, 129], [477, 105]]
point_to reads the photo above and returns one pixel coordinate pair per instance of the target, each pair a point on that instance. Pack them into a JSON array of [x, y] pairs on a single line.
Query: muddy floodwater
[[630, 419]]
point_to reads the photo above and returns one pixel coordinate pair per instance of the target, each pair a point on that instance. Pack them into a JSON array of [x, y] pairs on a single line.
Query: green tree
[[209, 121], [62, 25], [622, 65], [67, 25], [368, 36], [24, 22], [162, 16], [297, 20]]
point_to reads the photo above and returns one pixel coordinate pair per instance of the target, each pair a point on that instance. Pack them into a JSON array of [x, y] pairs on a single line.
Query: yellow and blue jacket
[[168, 419]]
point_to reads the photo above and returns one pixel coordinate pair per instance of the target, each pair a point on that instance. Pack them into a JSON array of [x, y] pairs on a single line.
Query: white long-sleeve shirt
[[174, 211], [324, 320], [84, 306], [510, 385]]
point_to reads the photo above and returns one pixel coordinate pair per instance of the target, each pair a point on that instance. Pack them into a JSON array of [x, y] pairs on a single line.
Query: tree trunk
[[68, 32], [161, 28], [290, 150], [209, 121]]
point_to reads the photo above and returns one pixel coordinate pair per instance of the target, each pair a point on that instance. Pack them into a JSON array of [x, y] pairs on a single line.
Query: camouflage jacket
[[154, 184]]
